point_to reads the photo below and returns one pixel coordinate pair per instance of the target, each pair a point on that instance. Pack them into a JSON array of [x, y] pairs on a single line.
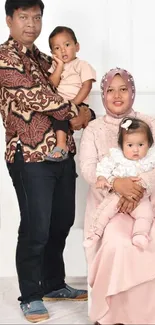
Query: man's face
[[25, 25]]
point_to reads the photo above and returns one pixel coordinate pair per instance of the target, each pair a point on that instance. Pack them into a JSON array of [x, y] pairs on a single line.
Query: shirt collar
[[22, 48]]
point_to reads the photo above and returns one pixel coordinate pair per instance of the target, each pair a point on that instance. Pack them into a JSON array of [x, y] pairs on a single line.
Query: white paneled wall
[[111, 33], [143, 46]]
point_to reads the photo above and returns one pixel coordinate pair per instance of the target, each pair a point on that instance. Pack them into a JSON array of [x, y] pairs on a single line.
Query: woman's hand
[[128, 188], [125, 206]]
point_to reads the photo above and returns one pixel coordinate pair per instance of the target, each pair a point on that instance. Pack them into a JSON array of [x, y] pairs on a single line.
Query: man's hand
[[88, 116], [82, 119]]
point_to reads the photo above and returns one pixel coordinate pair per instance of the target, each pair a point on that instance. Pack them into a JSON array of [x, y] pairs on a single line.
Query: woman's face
[[118, 96]]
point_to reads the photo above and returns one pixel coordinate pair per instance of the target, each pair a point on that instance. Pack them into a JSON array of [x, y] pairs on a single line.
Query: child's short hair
[[61, 29], [131, 125]]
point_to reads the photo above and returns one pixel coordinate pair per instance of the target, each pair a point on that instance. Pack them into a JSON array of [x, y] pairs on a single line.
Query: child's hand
[[58, 62], [102, 183]]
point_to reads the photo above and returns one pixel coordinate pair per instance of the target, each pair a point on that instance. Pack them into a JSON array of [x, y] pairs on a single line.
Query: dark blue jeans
[[46, 197]]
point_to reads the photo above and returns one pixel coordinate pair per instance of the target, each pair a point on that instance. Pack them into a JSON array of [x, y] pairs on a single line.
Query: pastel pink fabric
[[122, 276], [143, 216], [74, 74]]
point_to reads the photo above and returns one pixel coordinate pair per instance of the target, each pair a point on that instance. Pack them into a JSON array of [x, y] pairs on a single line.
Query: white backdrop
[[111, 33]]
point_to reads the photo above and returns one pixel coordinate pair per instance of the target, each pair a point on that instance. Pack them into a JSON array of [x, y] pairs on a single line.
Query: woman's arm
[[88, 155], [148, 181], [148, 178]]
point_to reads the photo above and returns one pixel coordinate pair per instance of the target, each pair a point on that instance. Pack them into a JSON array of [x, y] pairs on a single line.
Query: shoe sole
[[37, 318], [81, 298]]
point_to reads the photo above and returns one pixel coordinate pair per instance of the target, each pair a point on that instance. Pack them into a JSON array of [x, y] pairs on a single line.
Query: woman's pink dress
[[122, 276]]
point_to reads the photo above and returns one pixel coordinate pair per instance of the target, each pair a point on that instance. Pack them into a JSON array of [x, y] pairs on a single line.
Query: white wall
[[111, 33]]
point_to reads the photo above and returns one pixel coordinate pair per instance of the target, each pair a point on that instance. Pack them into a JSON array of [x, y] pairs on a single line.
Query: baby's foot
[[140, 241], [90, 241]]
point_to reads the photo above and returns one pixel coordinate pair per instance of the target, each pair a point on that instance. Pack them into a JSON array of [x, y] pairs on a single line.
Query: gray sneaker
[[34, 311], [67, 293]]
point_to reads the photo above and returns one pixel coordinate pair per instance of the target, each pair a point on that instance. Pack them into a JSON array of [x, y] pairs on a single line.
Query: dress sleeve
[[88, 155], [148, 178]]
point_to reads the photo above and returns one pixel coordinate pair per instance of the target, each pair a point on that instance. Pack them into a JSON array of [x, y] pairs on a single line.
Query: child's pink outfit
[[116, 165]]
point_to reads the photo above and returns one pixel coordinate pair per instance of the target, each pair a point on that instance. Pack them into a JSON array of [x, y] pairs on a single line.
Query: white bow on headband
[[126, 124]]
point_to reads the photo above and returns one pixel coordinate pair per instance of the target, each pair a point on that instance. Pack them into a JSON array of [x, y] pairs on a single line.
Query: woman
[[122, 276]]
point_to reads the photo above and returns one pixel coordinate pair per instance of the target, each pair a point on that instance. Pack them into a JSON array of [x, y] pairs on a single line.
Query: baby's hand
[[102, 182], [58, 61]]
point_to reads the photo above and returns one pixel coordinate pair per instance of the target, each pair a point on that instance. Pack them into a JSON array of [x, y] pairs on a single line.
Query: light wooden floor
[[65, 312]]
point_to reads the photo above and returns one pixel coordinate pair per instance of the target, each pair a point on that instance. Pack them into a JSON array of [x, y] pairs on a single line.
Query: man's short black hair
[[12, 5], [61, 29]]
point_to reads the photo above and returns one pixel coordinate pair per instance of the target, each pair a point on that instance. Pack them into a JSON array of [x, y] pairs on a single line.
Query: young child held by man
[[73, 79]]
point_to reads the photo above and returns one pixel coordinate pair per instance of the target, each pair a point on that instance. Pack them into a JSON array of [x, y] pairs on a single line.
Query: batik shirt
[[26, 99]]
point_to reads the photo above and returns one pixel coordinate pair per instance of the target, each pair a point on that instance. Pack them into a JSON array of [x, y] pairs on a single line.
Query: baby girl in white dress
[[134, 156]]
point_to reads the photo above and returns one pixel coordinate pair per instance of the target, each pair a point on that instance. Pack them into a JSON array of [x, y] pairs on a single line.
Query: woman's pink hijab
[[105, 83]]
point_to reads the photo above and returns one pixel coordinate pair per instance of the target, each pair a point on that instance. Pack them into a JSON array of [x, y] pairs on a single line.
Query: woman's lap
[[120, 272]]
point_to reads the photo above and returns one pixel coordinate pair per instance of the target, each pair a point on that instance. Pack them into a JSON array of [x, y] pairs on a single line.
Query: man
[[45, 190]]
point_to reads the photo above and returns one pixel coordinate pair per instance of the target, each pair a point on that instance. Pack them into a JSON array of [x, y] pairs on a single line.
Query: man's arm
[[25, 92], [82, 120], [77, 124]]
